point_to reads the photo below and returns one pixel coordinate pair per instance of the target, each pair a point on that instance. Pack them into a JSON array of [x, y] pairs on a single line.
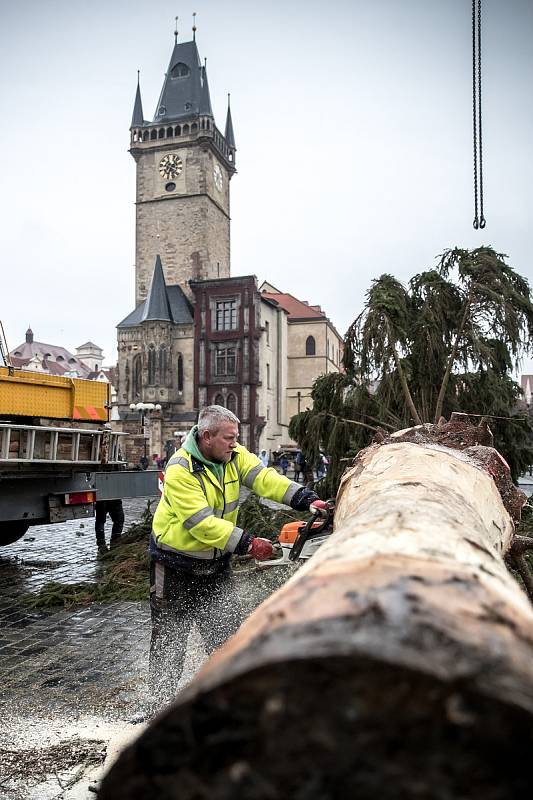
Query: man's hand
[[303, 498], [260, 549], [319, 507]]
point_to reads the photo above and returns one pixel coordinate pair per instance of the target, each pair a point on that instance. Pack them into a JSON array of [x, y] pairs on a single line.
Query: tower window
[[163, 361], [231, 403], [226, 315], [151, 365], [310, 347], [180, 373], [219, 400], [169, 187], [179, 70], [137, 376]]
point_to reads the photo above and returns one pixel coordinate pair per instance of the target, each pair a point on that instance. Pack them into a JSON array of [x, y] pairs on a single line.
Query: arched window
[[163, 362], [310, 347], [177, 130], [137, 376], [161, 133], [153, 134], [180, 373], [145, 136], [170, 132], [231, 403], [185, 130], [151, 365], [219, 400]]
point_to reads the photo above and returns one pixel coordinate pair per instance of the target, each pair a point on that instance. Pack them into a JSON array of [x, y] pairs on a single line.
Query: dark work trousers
[[115, 511], [177, 599]]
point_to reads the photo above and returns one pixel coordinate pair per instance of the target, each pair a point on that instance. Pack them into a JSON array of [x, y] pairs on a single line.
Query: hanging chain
[[479, 219]]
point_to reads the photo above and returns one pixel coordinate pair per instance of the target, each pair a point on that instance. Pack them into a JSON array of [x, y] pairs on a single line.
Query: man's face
[[220, 445]]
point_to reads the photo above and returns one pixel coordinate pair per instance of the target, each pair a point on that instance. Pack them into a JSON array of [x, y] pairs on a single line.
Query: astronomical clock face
[[170, 166], [217, 175]]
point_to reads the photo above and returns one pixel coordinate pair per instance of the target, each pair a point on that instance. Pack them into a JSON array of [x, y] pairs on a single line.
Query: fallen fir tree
[[397, 663]]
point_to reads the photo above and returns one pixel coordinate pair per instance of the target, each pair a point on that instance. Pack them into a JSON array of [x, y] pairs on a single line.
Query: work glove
[[303, 498], [260, 549], [319, 507]]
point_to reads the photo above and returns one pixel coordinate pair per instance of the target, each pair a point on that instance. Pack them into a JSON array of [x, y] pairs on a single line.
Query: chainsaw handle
[[306, 530]]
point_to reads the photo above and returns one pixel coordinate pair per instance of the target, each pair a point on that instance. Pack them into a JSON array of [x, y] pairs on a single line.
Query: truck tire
[[12, 531]]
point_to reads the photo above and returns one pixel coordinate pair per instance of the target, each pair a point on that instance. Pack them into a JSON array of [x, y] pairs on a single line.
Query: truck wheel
[[12, 531]]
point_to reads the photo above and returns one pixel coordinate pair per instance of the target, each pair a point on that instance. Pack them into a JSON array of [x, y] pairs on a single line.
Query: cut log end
[[370, 731]]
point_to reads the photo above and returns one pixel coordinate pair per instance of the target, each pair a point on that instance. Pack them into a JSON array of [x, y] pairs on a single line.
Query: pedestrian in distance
[[116, 512], [263, 458], [284, 464], [195, 536]]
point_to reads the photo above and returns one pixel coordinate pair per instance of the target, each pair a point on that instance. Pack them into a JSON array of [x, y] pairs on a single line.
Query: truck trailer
[[58, 452]]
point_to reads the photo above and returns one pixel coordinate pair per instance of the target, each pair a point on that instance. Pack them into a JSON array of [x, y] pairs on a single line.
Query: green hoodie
[[191, 446]]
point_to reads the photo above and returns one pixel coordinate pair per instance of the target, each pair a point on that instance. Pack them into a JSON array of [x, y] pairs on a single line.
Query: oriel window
[[225, 361], [226, 315]]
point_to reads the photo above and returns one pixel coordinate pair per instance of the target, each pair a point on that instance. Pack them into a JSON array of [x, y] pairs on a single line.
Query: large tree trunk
[[397, 663]]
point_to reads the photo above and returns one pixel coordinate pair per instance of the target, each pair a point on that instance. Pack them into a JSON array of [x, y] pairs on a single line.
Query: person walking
[[263, 458], [195, 536], [116, 512], [284, 464]]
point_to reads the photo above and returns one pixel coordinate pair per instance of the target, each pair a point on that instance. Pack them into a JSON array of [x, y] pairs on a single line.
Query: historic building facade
[[197, 335]]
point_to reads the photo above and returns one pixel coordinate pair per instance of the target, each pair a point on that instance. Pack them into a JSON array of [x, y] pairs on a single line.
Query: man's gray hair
[[211, 417]]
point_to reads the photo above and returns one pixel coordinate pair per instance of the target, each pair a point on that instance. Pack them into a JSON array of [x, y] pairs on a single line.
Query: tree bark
[[396, 663]]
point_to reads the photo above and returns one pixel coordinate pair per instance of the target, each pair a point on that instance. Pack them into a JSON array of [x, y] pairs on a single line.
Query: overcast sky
[[354, 145]]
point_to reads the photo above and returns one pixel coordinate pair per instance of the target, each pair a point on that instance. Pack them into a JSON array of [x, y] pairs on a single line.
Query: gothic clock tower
[[184, 166]]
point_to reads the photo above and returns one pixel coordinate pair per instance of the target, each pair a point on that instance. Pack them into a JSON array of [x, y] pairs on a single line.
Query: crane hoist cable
[[479, 218]]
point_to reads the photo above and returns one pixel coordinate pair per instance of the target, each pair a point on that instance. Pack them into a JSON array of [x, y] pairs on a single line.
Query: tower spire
[[138, 116], [194, 26], [176, 31], [228, 134], [205, 97]]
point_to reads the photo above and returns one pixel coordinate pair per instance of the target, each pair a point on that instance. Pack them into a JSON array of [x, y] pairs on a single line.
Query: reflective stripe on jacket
[[197, 515]]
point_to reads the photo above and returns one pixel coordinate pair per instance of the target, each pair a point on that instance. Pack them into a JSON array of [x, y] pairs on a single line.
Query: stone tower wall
[[189, 226]]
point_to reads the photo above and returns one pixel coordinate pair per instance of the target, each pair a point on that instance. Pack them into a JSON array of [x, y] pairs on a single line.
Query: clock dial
[[170, 166], [217, 175]]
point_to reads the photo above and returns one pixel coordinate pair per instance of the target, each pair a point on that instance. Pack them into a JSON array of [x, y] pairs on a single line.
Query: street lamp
[[144, 410]]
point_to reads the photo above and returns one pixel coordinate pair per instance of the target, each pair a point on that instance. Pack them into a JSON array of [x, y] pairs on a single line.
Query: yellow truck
[[58, 454]]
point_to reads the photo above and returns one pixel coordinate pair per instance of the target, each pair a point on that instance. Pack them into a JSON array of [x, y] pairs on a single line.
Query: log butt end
[[330, 728]]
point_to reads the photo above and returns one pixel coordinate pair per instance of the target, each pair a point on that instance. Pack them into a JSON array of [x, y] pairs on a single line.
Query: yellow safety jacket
[[197, 515]]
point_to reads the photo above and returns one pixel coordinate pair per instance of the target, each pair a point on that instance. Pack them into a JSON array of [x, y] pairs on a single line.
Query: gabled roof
[[185, 86], [295, 308]]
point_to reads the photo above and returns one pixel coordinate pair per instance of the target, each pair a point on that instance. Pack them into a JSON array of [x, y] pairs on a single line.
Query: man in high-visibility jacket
[[195, 534]]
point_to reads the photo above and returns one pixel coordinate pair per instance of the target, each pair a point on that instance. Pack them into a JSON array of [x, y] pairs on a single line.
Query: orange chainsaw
[[299, 540]]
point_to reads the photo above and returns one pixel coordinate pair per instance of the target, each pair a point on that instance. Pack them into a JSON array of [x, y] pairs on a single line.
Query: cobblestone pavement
[[72, 676]]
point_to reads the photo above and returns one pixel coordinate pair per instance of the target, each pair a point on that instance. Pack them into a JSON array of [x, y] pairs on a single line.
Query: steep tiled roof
[[182, 313], [295, 308]]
